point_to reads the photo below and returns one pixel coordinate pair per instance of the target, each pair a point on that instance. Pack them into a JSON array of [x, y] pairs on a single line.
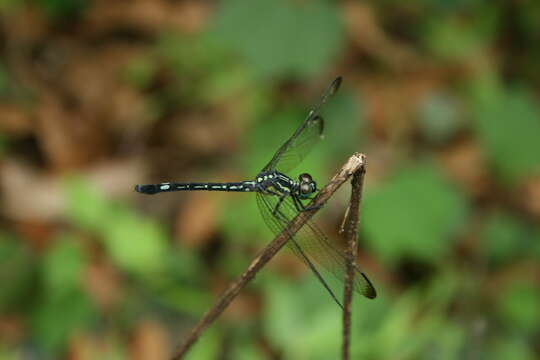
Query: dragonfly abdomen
[[150, 189]]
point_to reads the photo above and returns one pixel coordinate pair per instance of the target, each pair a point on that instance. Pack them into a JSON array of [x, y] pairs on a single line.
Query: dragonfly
[[280, 198]]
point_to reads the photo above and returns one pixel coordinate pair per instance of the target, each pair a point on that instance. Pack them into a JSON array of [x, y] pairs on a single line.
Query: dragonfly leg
[[298, 204], [313, 207], [301, 207], [281, 198]]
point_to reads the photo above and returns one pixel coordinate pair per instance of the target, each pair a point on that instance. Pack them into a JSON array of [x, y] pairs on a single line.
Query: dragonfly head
[[307, 185]]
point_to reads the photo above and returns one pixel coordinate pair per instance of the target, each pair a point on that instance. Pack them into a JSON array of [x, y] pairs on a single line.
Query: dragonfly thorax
[[275, 183]]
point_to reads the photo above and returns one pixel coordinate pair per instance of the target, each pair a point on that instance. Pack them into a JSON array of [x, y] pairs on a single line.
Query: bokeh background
[[96, 96]]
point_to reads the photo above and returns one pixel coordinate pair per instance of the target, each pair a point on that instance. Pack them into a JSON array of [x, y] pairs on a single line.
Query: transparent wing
[[313, 248], [296, 148], [277, 226]]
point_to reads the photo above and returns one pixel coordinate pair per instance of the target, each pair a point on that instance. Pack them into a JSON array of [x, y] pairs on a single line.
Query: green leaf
[[208, 346], [302, 319], [183, 284], [58, 317], [206, 71], [62, 9], [134, 243], [392, 332], [65, 306], [519, 307], [415, 214], [281, 37], [515, 348], [140, 72], [10, 5], [248, 351], [508, 125], [454, 38], [242, 222], [387, 335], [17, 269], [4, 144], [86, 206], [505, 237], [5, 80], [63, 266], [454, 5]]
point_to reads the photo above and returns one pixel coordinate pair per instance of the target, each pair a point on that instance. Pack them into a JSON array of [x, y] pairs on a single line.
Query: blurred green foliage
[[4, 145], [414, 215], [135, 244], [519, 308], [62, 9], [65, 307], [300, 39], [506, 122], [453, 38], [505, 238], [17, 273]]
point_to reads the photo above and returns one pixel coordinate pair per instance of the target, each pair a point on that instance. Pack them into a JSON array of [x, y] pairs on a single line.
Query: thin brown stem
[[350, 228], [354, 163]]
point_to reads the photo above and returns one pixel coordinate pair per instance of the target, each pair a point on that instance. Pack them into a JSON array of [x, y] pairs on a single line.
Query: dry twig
[[350, 228]]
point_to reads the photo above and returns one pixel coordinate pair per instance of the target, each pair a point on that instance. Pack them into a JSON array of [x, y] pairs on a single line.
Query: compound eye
[[305, 178], [305, 188]]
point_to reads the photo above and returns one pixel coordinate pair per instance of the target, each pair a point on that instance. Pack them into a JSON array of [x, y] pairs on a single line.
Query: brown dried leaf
[[465, 164], [11, 330], [67, 138], [246, 306], [390, 113], [147, 16], [197, 221], [530, 196], [30, 196], [364, 30], [103, 284], [14, 120], [149, 342]]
